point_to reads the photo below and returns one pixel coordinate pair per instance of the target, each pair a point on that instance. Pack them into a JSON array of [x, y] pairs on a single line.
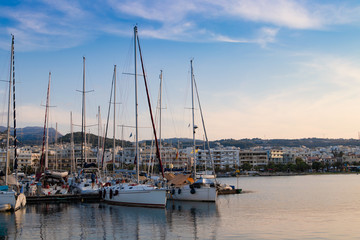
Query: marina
[[133, 119]]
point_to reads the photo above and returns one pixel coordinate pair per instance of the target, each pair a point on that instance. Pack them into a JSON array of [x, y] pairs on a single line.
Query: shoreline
[[275, 174]]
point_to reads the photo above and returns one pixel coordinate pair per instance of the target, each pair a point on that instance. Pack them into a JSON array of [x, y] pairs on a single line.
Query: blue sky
[[266, 69]]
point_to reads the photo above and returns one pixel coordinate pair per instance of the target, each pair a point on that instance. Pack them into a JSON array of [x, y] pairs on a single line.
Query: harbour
[[282, 207], [132, 119]]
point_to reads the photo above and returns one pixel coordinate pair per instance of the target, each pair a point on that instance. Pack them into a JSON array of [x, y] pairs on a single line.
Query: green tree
[[317, 166], [246, 166], [301, 166]]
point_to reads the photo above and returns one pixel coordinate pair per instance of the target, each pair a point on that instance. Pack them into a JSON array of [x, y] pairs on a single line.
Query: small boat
[[133, 194], [10, 200], [202, 190], [51, 185], [87, 182]]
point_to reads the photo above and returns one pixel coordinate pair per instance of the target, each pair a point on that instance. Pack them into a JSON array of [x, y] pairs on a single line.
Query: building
[[254, 157], [222, 157]]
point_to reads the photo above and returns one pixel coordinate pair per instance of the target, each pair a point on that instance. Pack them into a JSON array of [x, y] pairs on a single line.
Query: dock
[[229, 191], [92, 198], [63, 198]]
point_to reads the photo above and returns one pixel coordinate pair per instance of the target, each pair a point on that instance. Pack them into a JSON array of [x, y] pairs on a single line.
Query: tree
[[301, 166], [246, 166], [317, 166]]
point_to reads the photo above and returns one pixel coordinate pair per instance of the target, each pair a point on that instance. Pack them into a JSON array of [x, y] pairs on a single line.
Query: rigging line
[[203, 123], [170, 108], [186, 118], [125, 82]]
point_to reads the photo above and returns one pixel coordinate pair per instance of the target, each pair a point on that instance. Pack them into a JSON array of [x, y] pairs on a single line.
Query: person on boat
[[38, 188], [93, 176]]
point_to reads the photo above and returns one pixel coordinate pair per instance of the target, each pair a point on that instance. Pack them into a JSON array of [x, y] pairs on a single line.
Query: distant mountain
[[93, 140], [34, 136], [307, 142], [257, 142], [31, 135]]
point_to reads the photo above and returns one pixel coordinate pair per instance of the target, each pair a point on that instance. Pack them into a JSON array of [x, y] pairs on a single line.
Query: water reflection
[[303, 207], [102, 221], [11, 222], [192, 219]]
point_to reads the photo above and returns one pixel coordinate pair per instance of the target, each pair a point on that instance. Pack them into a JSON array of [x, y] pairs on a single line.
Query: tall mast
[[136, 110], [14, 110], [47, 124], [193, 115], [83, 122], [98, 146], [150, 111], [8, 116], [114, 126], [73, 165], [43, 159], [160, 98], [56, 136]]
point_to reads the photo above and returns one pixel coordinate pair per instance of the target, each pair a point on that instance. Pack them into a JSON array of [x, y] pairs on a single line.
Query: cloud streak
[[46, 24]]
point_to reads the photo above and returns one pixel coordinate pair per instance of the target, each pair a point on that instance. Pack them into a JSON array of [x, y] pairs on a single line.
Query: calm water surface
[[298, 207]]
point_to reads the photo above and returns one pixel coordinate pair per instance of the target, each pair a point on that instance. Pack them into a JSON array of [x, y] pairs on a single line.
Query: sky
[[264, 69]]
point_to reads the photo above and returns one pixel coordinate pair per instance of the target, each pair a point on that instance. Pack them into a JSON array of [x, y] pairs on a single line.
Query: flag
[[130, 135], [177, 155]]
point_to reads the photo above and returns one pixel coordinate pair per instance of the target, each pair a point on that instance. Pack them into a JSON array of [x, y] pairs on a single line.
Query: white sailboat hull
[[86, 188], [56, 174], [139, 195], [8, 201], [184, 193]]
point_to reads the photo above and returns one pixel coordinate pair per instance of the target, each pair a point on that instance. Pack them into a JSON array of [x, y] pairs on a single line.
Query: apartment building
[[254, 157], [222, 156]]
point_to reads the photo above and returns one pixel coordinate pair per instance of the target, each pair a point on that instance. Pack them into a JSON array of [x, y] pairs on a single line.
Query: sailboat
[[52, 180], [11, 199], [203, 190], [85, 181], [137, 194]]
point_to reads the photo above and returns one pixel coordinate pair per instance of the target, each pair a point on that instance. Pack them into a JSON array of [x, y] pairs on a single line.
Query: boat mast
[[150, 111], [136, 109], [8, 116], [107, 125], [193, 115], [56, 143], [114, 126], [73, 165], [161, 78], [98, 146], [14, 110], [43, 157], [47, 125], [83, 123]]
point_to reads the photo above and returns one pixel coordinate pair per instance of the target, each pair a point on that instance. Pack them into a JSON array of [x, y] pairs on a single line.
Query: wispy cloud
[[62, 24]]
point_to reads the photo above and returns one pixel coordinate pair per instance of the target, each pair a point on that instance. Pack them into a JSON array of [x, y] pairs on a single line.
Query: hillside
[[34, 136], [30, 135], [93, 139]]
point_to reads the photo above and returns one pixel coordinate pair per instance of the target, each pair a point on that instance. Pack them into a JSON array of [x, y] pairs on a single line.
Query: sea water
[[286, 207]]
